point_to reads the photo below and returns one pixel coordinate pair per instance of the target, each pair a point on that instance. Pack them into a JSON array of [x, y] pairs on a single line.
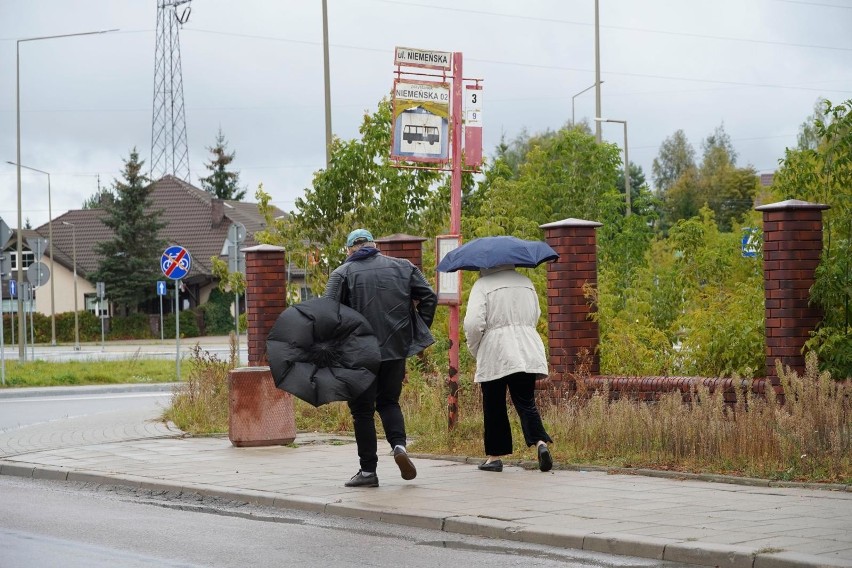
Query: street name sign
[[408, 56]]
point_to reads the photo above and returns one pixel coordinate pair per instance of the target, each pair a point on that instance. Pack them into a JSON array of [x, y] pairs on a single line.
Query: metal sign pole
[[236, 293], [23, 334], [31, 292], [103, 332], [2, 342], [22, 318], [455, 228], [177, 327], [237, 323], [161, 317], [12, 314], [175, 264]]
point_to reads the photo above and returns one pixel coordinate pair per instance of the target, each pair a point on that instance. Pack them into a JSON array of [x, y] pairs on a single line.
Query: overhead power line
[[622, 28]]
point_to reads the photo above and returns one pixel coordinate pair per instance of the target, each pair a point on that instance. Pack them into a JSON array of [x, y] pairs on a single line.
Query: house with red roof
[[195, 220]]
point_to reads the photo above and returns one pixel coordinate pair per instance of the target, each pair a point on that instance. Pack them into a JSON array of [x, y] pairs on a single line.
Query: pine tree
[[129, 265], [221, 183]]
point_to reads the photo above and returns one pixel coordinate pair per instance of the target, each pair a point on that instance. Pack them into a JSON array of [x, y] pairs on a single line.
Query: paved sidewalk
[[690, 521]]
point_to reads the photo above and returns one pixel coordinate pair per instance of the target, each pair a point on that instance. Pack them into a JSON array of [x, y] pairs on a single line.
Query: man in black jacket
[[393, 295]]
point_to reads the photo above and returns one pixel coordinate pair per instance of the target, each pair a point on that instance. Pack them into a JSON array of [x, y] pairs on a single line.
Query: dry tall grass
[[808, 438], [200, 405]]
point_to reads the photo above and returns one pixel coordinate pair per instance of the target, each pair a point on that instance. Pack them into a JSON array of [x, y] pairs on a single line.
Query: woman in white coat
[[500, 326]]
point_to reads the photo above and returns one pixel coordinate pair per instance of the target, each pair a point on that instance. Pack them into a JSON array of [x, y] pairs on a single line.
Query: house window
[[92, 304], [28, 256]]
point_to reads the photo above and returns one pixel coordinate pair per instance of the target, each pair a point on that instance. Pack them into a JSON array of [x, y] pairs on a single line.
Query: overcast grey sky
[[254, 69]]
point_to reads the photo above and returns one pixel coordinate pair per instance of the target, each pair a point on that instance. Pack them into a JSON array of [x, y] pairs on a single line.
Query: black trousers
[[382, 396], [498, 432]]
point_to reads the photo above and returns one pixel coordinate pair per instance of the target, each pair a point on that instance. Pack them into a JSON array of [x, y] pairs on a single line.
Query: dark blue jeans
[[381, 397], [498, 432]]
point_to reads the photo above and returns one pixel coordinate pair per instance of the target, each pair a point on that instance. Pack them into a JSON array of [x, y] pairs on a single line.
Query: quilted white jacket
[[500, 325]]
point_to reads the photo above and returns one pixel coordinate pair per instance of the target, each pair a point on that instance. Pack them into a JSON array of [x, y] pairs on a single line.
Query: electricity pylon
[[169, 152]]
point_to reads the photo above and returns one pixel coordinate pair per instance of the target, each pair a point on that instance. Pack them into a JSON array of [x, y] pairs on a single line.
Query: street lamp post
[[74, 261], [573, 122], [22, 352], [598, 135], [327, 81], [626, 160], [50, 252]]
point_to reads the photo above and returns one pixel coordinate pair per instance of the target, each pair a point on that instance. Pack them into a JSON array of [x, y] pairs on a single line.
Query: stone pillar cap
[[400, 237], [570, 222], [264, 248], [792, 204]]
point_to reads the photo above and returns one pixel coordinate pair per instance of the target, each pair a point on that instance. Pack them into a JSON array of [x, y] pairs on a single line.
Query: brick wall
[[791, 251], [649, 389], [573, 337], [266, 296], [403, 246], [792, 244]]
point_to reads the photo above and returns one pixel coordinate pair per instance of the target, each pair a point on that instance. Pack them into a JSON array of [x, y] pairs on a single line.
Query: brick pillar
[[266, 296], [403, 246], [258, 413], [792, 244], [569, 329]]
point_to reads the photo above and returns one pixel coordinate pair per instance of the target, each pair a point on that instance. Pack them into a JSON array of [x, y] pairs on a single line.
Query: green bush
[[189, 324], [89, 326], [217, 313], [134, 326]]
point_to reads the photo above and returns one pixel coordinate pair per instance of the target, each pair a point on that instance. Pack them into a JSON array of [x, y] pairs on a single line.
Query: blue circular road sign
[[175, 262]]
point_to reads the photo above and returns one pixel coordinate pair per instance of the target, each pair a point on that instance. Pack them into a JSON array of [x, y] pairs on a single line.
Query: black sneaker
[[545, 461], [406, 468], [361, 480]]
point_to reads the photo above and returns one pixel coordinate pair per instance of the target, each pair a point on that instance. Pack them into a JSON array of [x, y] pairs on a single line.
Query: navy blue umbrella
[[489, 252]]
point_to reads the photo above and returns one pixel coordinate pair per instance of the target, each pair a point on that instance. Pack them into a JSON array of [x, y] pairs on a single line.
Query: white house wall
[[63, 282]]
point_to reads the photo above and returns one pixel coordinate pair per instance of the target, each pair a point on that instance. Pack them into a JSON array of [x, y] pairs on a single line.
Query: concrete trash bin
[[259, 414]]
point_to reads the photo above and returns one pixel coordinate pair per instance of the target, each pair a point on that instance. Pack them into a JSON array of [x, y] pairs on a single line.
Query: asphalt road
[[20, 411], [46, 523]]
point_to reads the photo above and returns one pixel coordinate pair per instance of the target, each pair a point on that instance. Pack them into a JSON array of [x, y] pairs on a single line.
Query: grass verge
[[808, 438], [78, 373]]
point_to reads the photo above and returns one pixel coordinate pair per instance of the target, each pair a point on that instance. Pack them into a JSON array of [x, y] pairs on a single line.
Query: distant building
[[194, 220], [767, 179]]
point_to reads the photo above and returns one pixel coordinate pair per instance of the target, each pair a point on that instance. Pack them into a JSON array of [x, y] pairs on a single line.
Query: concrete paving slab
[[683, 520]]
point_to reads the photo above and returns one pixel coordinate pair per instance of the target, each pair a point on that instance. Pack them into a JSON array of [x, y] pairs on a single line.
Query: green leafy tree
[[718, 183], [221, 182], [808, 137], [718, 148], [562, 174], [638, 186], [695, 306], [130, 260], [728, 190], [361, 187], [821, 172], [676, 157]]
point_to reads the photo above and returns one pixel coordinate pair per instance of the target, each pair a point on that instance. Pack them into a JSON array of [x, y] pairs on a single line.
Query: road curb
[[624, 544], [14, 392], [681, 476]]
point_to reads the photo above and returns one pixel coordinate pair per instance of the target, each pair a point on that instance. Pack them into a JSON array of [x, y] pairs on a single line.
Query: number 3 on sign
[[473, 107]]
